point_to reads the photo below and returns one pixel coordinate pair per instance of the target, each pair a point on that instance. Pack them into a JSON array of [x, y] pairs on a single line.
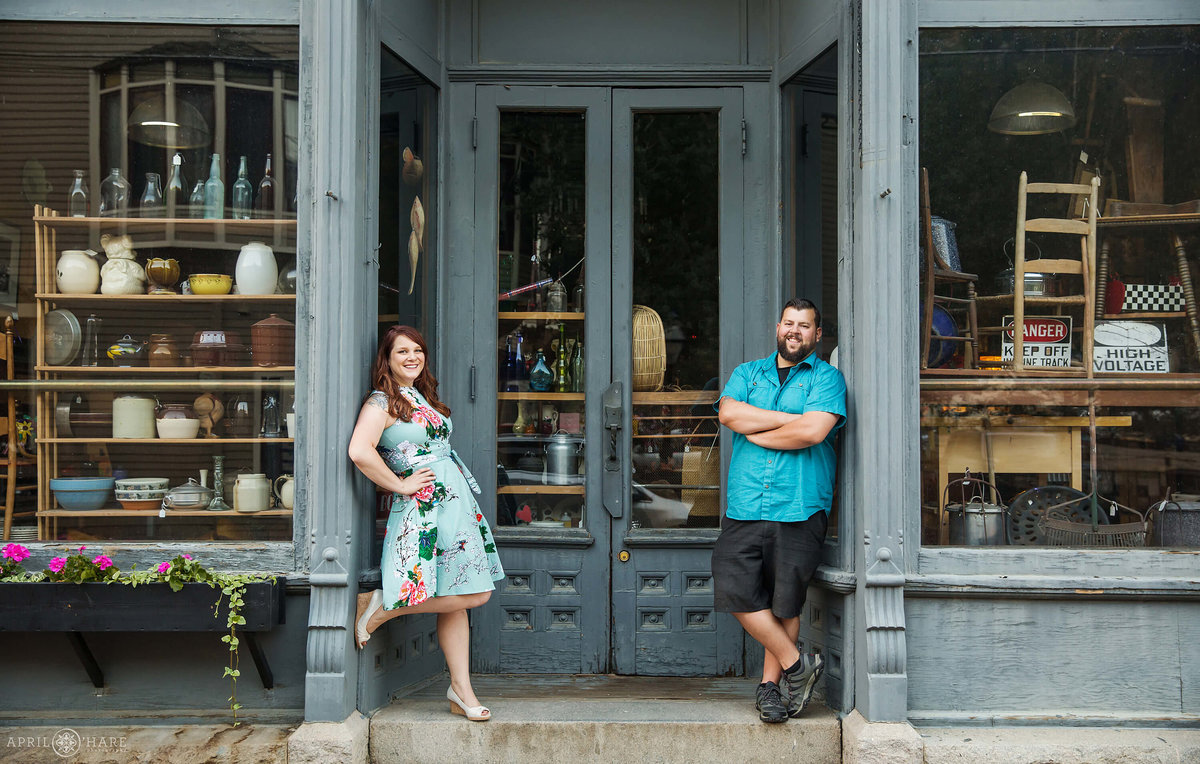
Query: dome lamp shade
[[1032, 108], [181, 127]]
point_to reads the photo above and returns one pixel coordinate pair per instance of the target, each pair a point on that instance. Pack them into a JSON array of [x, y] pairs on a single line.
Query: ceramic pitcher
[[285, 490]]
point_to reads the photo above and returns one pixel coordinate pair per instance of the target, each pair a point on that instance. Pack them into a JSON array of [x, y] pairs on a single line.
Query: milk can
[[561, 453]]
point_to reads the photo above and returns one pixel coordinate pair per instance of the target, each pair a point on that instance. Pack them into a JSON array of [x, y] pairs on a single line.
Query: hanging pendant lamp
[[180, 127], [1032, 108]]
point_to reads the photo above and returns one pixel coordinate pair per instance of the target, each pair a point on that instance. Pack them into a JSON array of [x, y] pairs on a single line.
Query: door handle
[[614, 469]]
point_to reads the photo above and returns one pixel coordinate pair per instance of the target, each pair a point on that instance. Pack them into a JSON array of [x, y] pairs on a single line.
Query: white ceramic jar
[[251, 492], [256, 271], [133, 416], [77, 272]]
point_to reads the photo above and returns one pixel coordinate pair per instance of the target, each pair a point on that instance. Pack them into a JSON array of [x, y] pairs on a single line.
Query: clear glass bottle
[[77, 199], [196, 200], [151, 205], [114, 195], [214, 191], [91, 342], [177, 190], [540, 377], [562, 369], [243, 193], [264, 202], [577, 369], [577, 296]]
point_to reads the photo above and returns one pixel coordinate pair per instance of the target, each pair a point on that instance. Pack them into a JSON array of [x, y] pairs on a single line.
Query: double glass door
[[608, 232]]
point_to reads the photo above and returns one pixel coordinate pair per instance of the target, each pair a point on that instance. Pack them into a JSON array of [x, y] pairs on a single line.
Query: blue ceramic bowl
[[81, 493]]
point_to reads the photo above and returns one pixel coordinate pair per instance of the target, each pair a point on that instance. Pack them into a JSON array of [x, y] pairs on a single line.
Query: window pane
[[176, 359], [1092, 397]]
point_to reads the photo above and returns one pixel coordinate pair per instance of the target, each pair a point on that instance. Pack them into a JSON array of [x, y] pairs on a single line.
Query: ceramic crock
[[251, 492], [161, 350], [77, 272], [133, 416], [256, 271], [273, 342]]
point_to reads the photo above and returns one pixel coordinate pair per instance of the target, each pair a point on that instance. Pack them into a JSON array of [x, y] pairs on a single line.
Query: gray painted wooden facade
[[1025, 634]]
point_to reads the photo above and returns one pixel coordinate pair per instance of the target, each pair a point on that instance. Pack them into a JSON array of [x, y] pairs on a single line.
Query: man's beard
[[800, 354]]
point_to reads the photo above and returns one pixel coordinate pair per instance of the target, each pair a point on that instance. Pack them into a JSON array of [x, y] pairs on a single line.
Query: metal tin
[[977, 523]]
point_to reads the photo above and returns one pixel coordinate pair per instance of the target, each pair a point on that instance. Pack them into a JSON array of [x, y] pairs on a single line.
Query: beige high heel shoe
[[360, 626], [474, 713]]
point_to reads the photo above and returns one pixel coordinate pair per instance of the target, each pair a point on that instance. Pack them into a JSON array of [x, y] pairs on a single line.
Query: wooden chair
[[16, 456], [937, 270], [1084, 267]]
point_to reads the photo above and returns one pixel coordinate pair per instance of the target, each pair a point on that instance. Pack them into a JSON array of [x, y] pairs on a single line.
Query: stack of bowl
[[81, 493], [141, 493]]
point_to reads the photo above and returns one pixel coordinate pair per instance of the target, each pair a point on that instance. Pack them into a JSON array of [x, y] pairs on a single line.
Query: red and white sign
[[1047, 340]]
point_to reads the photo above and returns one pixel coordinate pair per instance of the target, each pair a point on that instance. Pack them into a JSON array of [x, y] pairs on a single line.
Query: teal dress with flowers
[[437, 541]]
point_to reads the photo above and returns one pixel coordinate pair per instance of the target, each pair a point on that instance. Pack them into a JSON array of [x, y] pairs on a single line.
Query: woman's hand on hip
[[416, 481]]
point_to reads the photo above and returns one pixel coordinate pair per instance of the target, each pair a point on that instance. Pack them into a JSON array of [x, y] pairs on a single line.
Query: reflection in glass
[[540, 362], [676, 457]]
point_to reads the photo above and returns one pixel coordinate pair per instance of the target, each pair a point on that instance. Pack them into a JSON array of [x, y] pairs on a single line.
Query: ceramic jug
[[77, 272], [251, 492], [256, 271], [285, 490]]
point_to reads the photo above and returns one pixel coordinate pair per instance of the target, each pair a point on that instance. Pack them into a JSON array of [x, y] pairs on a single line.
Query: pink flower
[[57, 564], [102, 562], [163, 567], [81, 549], [432, 417], [406, 590], [420, 595], [187, 557], [15, 552], [425, 494]]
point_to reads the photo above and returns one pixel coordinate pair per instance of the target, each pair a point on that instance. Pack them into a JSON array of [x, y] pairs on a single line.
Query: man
[[784, 411]]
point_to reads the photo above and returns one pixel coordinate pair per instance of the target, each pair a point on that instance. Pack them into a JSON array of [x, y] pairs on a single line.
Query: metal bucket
[[1176, 523], [977, 523]]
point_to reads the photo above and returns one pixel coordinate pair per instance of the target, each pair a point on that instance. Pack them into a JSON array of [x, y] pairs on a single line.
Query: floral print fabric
[[437, 540]]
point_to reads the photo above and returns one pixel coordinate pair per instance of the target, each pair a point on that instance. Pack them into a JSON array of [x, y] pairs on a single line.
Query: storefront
[[595, 222]]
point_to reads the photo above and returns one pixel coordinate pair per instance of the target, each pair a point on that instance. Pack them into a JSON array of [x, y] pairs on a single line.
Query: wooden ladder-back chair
[[938, 270], [1084, 267], [15, 456]]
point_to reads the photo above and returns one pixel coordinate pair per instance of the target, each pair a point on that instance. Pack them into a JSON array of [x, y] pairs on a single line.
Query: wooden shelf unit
[[177, 314]]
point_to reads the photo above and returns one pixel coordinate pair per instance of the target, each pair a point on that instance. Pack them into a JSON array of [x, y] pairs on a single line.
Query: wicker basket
[[702, 466], [649, 350], [1061, 531]]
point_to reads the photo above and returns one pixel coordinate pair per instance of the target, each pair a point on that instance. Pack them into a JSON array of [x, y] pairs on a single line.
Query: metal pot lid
[[62, 337]]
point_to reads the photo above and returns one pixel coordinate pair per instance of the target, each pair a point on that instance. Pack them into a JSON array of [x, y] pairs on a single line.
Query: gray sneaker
[[802, 682], [770, 705]]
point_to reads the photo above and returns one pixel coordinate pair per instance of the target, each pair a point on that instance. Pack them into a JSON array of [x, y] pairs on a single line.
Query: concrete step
[[1059, 745], [600, 718]]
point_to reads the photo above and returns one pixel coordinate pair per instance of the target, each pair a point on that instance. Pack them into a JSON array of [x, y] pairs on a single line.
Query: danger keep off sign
[[1047, 340]]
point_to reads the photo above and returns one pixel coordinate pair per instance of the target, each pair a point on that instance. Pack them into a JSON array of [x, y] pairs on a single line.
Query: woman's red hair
[[383, 380]]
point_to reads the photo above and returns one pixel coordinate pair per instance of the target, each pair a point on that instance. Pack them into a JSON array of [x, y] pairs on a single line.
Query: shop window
[[407, 212], [147, 217], [1060, 339], [811, 188]]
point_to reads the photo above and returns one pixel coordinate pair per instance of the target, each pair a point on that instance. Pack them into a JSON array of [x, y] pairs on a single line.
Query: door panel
[[542, 206], [607, 486], [677, 200]]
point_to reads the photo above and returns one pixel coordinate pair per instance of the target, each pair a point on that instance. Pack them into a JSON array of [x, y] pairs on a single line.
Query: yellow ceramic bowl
[[210, 283]]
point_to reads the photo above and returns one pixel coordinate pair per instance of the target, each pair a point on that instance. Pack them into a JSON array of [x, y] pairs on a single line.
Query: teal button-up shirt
[[792, 485]]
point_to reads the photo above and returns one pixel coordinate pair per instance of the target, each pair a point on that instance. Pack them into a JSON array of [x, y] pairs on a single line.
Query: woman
[[438, 553]]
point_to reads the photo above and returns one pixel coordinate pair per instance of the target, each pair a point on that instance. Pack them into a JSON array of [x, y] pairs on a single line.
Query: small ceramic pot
[[163, 273], [77, 272], [161, 350]]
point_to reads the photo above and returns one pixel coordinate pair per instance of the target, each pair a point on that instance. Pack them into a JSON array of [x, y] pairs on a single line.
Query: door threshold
[[569, 687]]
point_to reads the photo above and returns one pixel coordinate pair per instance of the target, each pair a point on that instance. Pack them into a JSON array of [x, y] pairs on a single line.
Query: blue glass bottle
[[540, 377]]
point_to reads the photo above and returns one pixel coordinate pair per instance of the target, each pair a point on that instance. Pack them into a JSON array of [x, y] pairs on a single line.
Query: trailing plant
[[183, 569]]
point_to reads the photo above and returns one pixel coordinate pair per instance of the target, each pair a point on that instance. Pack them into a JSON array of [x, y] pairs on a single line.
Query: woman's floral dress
[[437, 540]]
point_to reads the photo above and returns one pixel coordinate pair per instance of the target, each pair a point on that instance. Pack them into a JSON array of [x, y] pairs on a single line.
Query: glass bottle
[[556, 297], [214, 191], [540, 377], [264, 202], [114, 195], [509, 381], [77, 200], [243, 193], [577, 369], [177, 191], [562, 373], [519, 375], [152, 198], [91, 342], [196, 200], [577, 296]]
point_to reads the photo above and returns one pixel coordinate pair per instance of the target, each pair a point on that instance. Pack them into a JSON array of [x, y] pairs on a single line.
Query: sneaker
[[770, 705], [801, 683]]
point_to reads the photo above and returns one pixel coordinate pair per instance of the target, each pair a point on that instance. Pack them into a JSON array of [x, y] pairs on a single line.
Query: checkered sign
[[1157, 298]]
